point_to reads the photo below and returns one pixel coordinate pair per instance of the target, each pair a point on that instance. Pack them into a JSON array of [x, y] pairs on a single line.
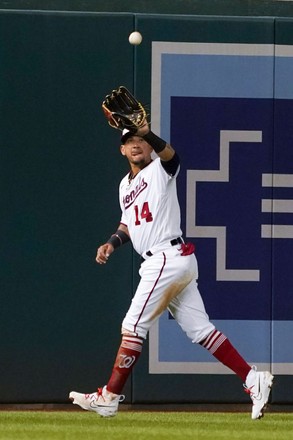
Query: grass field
[[132, 425]]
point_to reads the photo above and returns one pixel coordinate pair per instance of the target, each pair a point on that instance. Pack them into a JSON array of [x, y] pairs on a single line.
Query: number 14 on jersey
[[142, 214]]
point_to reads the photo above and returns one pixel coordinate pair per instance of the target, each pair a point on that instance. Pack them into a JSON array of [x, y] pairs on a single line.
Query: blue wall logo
[[227, 110]]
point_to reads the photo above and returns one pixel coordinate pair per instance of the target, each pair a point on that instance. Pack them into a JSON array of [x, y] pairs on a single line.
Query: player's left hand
[[123, 110]]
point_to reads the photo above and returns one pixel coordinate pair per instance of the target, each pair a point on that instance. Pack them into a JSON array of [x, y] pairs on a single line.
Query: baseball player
[[168, 274]]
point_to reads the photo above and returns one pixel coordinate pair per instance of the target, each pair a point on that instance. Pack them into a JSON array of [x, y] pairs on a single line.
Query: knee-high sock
[[127, 356], [222, 349]]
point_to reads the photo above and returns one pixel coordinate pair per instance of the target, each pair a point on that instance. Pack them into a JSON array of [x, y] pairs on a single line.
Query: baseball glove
[[123, 110]]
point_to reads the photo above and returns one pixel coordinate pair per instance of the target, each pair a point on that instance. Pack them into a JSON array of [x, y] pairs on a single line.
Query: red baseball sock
[[222, 349], [127, 356]]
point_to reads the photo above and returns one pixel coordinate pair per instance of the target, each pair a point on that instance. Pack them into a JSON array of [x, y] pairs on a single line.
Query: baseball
[[135, 38]]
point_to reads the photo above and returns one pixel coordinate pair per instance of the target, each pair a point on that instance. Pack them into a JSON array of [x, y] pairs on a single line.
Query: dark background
[[60, 312]]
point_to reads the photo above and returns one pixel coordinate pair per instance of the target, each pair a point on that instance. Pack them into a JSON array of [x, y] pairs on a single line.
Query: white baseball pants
[[168, 280]]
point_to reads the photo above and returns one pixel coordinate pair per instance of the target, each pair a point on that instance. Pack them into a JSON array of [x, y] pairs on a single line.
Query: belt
[[173, 242]]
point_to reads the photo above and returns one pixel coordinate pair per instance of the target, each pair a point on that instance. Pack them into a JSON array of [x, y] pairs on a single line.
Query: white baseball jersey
[[150, 207], [150, 210]]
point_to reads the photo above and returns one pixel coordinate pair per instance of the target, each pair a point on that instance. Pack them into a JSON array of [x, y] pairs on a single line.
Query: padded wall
[[221, 93], [60, 169], [213, 85]]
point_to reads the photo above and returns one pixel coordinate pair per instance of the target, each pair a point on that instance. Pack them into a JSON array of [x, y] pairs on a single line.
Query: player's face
[[137, 151]]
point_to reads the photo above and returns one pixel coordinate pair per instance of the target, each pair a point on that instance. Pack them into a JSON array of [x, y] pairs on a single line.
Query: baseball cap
[[125, 135]]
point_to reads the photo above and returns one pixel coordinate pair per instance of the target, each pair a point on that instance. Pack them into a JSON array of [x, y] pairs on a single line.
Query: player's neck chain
[[131, 176]]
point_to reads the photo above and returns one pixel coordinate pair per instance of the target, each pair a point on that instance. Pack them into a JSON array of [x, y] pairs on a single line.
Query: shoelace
[[247, 390], [251, 393], [100, 393]]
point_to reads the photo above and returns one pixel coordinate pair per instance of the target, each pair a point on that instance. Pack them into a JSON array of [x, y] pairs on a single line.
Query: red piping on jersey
[[150, 294]]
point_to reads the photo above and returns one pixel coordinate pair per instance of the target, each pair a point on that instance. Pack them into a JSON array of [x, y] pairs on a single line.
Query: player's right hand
[[103, 253], [143, 130]]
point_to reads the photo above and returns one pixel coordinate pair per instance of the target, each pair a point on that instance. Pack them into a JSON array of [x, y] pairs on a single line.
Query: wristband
[[118, 239], [155, 141]]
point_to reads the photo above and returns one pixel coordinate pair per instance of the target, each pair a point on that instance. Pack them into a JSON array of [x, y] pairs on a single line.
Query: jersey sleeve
[[123, 219], [171, 166]]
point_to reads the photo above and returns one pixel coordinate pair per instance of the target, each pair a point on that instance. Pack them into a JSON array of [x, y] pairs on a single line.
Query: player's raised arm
[[124, 111], [164, 150], [169, 158]]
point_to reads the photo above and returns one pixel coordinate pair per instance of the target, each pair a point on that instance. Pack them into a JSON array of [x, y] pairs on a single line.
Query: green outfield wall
[[60, 165]]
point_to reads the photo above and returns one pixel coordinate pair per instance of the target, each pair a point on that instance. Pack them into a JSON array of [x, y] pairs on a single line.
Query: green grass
[[53, 425]]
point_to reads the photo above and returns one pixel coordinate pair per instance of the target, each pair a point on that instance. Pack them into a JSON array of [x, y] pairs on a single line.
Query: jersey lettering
[[130, 198]]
